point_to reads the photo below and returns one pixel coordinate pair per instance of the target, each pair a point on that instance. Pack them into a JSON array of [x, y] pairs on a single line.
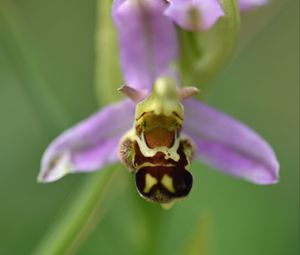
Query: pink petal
[[228, 145], [195, 15], [89, 145], [148, 41]]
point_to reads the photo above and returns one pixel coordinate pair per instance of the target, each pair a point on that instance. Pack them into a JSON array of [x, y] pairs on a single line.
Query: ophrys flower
[[155, 148], [158, 134]]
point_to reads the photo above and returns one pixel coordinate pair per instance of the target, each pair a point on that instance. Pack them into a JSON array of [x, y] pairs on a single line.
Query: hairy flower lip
[[159, 136]]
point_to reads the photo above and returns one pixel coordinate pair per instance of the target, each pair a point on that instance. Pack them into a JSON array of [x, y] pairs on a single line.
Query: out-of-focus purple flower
[[147, 33], [148, 51], [246, 5], [147, 38], [195, 15]]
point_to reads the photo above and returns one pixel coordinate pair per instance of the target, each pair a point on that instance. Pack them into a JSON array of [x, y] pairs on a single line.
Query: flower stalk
[[78, 220], [71, 229]]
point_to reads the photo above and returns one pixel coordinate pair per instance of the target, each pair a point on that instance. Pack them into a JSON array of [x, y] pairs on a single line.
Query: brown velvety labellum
[[167, 183], [159, 137]]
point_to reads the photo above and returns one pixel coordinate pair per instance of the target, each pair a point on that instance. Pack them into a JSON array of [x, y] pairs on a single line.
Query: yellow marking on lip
[[167, 181], [150, 181]]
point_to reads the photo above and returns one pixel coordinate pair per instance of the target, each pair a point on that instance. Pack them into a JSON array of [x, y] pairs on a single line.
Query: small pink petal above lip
[[133, 94], [229, 145], [194, 15], [148, 41], [89, 145]]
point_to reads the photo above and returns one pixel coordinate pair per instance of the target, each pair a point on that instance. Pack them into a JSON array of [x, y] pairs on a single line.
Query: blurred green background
[[47, 48]]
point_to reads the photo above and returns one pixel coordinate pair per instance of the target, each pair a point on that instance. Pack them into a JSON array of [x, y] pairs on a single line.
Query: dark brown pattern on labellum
[[182, 182], [159, 178], [159, 156], [167, 179]]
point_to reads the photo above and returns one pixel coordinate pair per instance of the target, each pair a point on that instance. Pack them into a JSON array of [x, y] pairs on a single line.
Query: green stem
[[199, 243], [72, 227], [70, 230]]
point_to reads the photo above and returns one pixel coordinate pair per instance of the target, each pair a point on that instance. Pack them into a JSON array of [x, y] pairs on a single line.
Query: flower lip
[[163, 184], [159, 137]]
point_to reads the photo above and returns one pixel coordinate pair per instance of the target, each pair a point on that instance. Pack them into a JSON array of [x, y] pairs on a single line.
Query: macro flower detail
[[211, 136], [160, 129], [155, 150]]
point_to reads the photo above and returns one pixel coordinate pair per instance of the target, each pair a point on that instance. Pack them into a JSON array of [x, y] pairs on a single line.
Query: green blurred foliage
[[259, 86]]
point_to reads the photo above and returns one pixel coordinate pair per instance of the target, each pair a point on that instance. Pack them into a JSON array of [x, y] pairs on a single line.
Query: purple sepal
[[229, 145], [89, 145]]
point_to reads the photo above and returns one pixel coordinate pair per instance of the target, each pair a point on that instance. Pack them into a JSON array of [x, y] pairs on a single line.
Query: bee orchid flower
[[159, 129], [209, 136]]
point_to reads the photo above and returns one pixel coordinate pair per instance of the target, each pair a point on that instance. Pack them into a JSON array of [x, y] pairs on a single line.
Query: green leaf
[[204, 53]]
